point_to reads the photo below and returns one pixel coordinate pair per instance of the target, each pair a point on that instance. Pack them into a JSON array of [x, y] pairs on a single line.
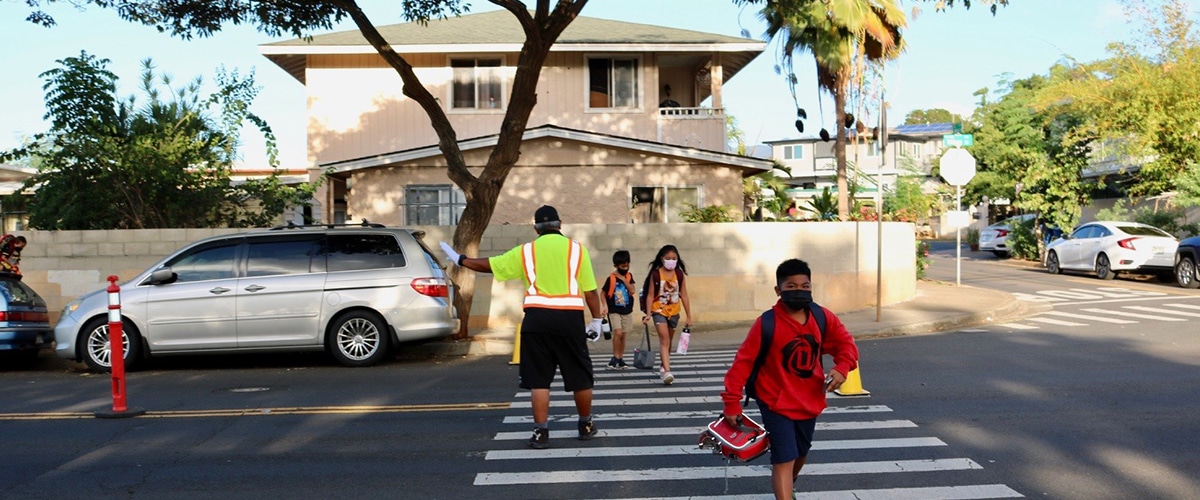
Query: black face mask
[[796, 300], [622, 272]]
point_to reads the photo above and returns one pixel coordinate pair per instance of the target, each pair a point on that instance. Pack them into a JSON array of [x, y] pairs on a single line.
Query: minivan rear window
[[356, 252]]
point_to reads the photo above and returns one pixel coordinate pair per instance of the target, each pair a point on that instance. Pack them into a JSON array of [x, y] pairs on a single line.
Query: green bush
[[922, 258], [1023, 241], [711, 213]]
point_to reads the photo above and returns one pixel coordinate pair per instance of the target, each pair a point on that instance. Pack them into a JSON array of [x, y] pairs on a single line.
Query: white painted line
[[1055, 321], [973, 330], [693, 473], [671, 415], [1163, 311], [654, 380], [1091, 318], [631, 402], [603, 390], [1133, 315], [1018, 326], [969, 492], [692, 449], [695, 430], [632, 373], [1185, 306]]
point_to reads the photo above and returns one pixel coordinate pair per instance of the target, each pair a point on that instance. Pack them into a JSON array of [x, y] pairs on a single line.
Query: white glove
[[450, 253], [593, 330]]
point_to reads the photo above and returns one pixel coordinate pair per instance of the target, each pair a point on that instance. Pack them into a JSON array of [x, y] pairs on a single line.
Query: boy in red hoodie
[[791, 384]]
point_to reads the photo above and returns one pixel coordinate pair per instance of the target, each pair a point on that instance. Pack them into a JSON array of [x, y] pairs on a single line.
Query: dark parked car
[[1186, 258], [24, 324]]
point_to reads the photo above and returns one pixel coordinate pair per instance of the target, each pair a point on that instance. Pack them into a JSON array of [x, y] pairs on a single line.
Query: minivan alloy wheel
[[97, 352], [359, 339]]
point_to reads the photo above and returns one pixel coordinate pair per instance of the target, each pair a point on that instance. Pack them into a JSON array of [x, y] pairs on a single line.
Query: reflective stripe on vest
[[573, 300]]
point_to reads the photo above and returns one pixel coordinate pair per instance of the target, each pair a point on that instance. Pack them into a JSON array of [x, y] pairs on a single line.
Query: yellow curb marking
[[255, 412]]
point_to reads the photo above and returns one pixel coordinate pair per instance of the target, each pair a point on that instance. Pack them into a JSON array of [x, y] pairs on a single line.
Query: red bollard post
[[116, 356]]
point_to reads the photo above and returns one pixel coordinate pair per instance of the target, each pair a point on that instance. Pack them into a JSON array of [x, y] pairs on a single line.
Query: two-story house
[[629, 125], [910, 150]]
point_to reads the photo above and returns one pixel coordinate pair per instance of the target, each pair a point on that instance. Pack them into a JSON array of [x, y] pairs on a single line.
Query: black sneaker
[[587, 430], [612, 363], [540, 439], [621, 364]]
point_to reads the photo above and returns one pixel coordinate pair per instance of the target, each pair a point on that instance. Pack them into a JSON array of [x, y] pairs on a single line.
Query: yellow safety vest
[[535, 297]]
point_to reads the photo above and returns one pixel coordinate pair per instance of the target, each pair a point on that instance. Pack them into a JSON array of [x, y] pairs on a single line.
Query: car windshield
[[1144, 231]]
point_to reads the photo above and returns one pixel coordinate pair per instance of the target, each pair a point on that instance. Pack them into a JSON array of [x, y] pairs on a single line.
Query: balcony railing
[[692, 113]]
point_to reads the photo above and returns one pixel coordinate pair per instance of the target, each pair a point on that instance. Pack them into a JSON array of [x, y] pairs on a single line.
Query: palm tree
[[839, 33]]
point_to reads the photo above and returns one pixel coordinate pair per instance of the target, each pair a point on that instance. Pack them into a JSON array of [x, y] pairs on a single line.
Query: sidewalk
[[937, 306]]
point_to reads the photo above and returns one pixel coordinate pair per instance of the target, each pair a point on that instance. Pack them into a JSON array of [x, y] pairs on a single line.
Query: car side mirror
[[164, 276]]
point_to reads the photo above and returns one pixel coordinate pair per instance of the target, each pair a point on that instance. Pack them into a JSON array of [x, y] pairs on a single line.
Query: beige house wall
[[587, 183], [731, 266], [356, 108]]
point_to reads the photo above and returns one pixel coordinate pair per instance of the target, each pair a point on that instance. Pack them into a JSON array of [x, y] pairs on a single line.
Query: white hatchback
[[1108, 247]]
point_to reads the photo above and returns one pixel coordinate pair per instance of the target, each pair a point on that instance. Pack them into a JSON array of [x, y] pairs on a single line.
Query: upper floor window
[[477, 84], [433, 205], [794, 152], [613, 82]]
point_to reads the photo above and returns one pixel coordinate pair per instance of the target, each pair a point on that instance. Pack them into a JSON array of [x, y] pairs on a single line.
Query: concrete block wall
[[731, 266]]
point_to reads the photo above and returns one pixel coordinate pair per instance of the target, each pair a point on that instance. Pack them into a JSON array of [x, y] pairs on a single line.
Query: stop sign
[[958, 166]]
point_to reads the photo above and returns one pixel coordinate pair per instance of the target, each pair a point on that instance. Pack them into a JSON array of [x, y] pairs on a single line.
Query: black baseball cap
[[546, 213]]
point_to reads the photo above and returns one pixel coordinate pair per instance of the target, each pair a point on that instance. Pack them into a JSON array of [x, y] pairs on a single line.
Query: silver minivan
[[352, 290]]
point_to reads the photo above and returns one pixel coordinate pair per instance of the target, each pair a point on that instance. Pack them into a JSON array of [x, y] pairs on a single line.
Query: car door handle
[[254, 288], [218, 290]]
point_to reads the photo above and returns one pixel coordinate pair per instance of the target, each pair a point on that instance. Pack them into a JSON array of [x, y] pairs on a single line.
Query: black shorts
[[543, 352]]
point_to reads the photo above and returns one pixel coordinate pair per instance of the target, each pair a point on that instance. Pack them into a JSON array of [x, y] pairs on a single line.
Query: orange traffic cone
[[852, 387]]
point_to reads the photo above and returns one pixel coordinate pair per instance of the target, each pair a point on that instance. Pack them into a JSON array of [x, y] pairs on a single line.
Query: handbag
[[644, 358]]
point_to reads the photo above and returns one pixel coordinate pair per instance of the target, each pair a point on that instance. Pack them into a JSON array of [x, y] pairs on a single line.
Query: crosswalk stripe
[[1091, 318], [1055, 322], [602, 390], [669, 415], [695, 430], [1132, 315], [631, 402], [1018, 326], [692, 449], [693, 473], [652, 380], [1184, 306], [1163, 311], [648, 374], [971, 492]]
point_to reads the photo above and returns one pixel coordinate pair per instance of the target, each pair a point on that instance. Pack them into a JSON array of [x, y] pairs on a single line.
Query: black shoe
[[540, 439], [621, 364], [612, 363], [587, 430]]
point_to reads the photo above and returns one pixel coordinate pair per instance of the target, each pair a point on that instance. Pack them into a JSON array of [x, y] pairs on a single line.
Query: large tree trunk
[[542, 28], [839, 152]]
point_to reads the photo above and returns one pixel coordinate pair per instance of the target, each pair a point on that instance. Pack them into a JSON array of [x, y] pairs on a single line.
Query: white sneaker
[[666, 377]]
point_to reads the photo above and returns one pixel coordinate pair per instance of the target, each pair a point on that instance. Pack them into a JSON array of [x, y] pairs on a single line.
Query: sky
[[950, 55]]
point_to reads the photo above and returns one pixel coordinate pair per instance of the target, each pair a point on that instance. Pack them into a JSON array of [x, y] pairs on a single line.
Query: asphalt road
[[1058, 404]]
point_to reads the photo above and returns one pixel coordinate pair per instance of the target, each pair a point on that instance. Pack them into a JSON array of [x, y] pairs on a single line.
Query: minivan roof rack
[[364, 223]]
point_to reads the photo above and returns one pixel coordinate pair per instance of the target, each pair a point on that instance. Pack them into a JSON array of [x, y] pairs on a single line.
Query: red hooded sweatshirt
[[784, 392]]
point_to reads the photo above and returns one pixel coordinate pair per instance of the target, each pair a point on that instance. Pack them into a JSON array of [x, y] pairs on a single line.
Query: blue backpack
[[816, 312]]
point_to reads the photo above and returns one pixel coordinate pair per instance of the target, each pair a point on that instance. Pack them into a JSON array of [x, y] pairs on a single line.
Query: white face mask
[[670, 264]]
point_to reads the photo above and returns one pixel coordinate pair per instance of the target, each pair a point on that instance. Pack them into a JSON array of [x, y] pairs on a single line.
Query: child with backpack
[[665, 294], [618, 292], [779, 365]]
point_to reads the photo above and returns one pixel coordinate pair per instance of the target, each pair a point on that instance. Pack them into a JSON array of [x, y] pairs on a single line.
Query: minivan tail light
[[1127, 243], [432, 287], [35, 317]]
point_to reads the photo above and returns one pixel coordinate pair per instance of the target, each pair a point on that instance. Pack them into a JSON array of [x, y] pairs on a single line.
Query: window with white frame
[[613, 82], [663, 204], [477, 84], [794, 152], [433, 205]]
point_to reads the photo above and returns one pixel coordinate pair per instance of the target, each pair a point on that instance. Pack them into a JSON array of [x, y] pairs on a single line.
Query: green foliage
[[1172, 220], [922, 258], [711, 213], [108, 163], [823, 206], [972, 236], [933, 115], [908, 202], [1023, 241]]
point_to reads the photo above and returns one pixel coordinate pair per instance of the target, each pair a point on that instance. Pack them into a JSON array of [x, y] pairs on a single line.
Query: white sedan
[[1108, 247]]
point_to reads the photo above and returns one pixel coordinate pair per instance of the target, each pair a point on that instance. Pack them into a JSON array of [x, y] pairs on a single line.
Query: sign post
[[958, 168]]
